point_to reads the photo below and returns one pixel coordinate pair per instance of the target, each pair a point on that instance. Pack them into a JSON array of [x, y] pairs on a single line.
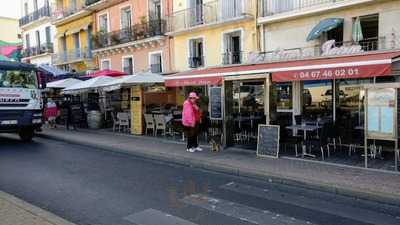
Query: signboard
[[333, 73], [381, 113], [268, 141], [215, 103], [136, 110], [192, 81]]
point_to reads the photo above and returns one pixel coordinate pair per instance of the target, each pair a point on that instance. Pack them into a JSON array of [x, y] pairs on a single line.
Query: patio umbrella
[[63, 83], [109, 73], [140, 78], [91, 84], [357, 33], [324, 26]]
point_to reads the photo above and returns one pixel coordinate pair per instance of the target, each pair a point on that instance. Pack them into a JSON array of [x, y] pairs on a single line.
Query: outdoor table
[[305, 128]]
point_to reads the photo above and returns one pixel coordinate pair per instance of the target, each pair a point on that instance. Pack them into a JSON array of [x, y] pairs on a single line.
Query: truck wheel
[[26, 135]]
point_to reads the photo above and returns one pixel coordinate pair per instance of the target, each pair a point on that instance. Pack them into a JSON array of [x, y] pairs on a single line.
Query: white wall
[[41, 3], [293, 33], [42, 30]]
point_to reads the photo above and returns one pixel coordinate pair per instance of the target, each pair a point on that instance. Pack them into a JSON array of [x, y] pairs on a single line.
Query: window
[[126, 18], [37, 34], [77, 51], [105, 64], [26, 9], [127, 65], [196, 12], [155, 62], [16, 78], [232, 44], [283, 92], [155, 10], [334, 34], [35, 5], [196, 58], [48, 35], [231, 8], [27, 41], [370, 32], [103, 23]]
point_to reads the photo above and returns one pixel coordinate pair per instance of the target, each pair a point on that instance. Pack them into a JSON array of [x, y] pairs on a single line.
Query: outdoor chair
[[160, 123], [123, 121], [115, 121], [150, 125], [320, 142]]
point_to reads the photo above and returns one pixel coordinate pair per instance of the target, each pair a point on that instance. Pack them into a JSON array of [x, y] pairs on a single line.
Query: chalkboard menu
[[268, 141], [216, 103]]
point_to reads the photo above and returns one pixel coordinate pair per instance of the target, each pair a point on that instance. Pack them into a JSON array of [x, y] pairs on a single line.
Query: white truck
[[20, 99]]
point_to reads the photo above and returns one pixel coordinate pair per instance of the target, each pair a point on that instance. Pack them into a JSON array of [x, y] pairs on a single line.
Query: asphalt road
[[91, 186]]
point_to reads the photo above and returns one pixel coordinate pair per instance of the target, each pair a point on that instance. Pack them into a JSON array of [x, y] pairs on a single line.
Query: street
[[91, 186]]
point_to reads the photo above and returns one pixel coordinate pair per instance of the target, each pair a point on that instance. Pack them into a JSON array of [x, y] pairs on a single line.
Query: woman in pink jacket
[[190, 120]]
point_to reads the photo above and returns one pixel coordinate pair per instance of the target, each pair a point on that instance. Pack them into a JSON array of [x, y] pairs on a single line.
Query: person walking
[[190, 120]]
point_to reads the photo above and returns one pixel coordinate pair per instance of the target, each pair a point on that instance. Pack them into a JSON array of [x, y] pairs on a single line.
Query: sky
[[10, 8]]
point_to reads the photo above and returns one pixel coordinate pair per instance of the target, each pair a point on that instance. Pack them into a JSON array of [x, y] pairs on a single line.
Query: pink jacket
[[188, 114]]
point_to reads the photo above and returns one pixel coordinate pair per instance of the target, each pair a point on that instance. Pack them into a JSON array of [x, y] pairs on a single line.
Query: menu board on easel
[[215, 103], [381, 113], [136, 110]]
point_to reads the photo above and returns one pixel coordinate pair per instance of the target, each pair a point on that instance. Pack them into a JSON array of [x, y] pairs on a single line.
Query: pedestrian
[[190, 120], [51, 113], [70, 117]]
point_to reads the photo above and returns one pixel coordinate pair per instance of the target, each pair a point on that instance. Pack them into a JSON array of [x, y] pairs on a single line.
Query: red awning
[[354, 66]]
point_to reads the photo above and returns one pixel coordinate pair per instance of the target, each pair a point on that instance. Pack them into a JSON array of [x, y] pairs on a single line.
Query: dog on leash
[[215, 142]]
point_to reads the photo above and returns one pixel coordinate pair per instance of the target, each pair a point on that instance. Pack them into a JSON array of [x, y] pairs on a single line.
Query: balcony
[[229, 58], [135, 33], [370, 45], [65, 15], [38, 50], [210, 13], [36, 15], [101, 4], [196, 62], [278, 10], [73, 56]]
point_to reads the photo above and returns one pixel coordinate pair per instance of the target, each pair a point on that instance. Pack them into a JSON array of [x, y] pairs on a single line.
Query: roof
[[16, 66]]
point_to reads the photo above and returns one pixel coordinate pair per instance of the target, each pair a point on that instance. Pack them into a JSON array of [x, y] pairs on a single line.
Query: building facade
[[13, 34], [37, 31], [74, 27], [130, 36], [211, 33]]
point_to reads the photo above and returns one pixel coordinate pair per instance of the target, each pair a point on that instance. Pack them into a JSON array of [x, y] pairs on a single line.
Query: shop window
[[196, 58], [156, 63], [284, 96], [317, 99], [232, 43], [370, 32], [127, 64], [105, 64]]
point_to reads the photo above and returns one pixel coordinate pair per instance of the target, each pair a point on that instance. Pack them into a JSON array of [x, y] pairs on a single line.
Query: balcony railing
[[210, 13], [229, 58], [273, 7], [38, 50], [91, 2], [73, 56], [156, 68], [36, 15], [384, 43], [135, 33], [62, 13], [195, 62]]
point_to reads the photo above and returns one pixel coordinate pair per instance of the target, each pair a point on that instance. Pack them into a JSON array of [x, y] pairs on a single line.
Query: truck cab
[[20, 99]]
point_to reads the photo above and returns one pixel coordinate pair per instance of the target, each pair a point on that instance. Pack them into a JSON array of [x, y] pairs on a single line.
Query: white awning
[[91, 84], [63, 83], [139, 78]]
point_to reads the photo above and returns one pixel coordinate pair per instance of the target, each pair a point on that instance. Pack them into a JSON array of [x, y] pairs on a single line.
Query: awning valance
[[192, 80]]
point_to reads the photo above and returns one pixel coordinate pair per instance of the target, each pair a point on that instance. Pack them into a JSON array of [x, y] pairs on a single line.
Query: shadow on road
[[12, 142]]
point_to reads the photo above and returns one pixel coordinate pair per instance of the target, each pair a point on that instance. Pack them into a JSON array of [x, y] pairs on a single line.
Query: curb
[[246, 173], [36, 211]]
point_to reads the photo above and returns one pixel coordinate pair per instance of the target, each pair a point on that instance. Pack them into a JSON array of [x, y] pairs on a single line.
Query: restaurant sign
[[333, 73], [192, 81], [327, 49]]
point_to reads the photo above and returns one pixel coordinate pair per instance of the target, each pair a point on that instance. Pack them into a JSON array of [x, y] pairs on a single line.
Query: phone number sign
[[333, 73]]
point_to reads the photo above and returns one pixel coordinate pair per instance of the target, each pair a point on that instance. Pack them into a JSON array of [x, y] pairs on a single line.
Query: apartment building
[[74, 27], [130, 35], [13, 34], [37, 31], [212, 32]]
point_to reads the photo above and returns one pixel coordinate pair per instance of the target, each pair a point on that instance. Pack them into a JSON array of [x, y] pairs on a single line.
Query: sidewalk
[[14, 211], [357, 182]]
